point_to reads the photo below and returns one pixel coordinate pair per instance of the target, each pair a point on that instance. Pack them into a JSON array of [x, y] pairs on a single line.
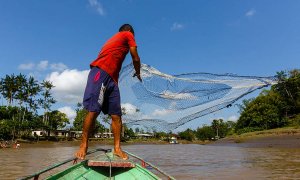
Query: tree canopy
[[273, 108], [24, 96]]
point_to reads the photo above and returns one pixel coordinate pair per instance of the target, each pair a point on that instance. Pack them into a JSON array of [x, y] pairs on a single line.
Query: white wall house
[[38, 133]]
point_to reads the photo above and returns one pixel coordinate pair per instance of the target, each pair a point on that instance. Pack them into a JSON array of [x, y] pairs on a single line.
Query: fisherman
[[102, 92]]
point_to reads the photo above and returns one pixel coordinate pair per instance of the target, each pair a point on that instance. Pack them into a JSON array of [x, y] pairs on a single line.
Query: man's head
[[126, 27]]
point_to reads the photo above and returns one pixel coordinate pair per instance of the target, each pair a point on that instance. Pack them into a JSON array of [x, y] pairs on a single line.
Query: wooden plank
[[113, 163], [108, 159]]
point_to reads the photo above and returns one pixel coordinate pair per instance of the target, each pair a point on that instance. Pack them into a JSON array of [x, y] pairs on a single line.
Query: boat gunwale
[[74, 159], [84, 163]]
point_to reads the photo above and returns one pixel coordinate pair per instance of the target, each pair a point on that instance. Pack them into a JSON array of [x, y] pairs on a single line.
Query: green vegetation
[[238, 138], [217, 129], [24, 96], [79, 119], [274, 108]]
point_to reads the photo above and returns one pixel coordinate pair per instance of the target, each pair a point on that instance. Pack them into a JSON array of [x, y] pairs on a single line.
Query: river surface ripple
[[182, 161]]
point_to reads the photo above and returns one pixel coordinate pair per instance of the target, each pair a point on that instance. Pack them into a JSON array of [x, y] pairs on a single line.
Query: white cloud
[[170, 95], [177, 26], [71, 114], [98, 6], [233, 118], [42, 65], [130, 109], [161, 112], [28, 66], [250, 13], [69, 85], [58, 66]]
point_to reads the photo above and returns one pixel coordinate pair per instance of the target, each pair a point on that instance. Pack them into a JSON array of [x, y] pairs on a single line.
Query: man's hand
[[136, 62], [138, 76]]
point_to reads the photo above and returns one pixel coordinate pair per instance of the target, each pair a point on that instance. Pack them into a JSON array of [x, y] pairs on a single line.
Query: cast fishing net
[[165, 102]]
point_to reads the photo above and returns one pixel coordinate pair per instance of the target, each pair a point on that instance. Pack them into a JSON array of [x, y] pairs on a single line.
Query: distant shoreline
[[274, 138]]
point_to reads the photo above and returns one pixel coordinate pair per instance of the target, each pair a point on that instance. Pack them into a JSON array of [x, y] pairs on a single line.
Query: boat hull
[[83, 171]]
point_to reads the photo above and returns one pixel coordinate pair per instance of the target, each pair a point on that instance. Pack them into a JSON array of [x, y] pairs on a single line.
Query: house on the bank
[[105, 135], [71, 134], [38, 133], [144, 135], [60, 133], [57, 133], [75, 134]]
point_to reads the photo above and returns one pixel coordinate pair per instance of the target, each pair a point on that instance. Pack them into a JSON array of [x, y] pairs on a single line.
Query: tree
[[21, 112], [57, 120], [9, 117], [230, 126], [79, 119], [288, 87], [187, 135], [47, 100], [216, 125], [6, 129], [9, 88], [99, 128], [81, 113], [137, 130], [128, 132], [20, 95], [272, 108], [244, 104], [263, 112], [221, 128], [160, 135], [205, 133], [32, 88]]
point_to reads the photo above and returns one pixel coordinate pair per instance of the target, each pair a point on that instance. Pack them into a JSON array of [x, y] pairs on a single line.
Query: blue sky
[[48, 38]]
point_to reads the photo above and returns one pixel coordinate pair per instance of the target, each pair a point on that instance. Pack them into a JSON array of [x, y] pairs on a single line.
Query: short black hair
[[126, 27]]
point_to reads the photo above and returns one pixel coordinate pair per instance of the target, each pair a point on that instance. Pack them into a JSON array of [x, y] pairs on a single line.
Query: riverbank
[[275, 138], [278, 138], [110, 142]]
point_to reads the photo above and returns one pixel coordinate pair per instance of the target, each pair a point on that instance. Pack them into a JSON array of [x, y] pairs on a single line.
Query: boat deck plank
[[110, 160]]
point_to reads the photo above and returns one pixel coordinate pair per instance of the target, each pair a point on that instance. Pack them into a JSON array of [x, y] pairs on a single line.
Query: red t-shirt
[[113, 53]]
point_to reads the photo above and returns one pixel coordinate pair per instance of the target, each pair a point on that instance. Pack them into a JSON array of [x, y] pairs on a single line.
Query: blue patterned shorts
[[102, 93]]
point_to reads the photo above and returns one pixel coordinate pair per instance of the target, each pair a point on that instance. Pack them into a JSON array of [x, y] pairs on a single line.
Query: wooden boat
[[104, 166]]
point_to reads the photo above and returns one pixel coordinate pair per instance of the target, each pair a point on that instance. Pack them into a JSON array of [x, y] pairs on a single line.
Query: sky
[[57, 40]]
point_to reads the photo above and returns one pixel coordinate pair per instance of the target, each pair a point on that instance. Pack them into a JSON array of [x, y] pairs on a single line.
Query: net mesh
[[165, 102]]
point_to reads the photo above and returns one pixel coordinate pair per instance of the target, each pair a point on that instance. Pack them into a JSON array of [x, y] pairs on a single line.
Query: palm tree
[[20, 96], [21, 82], [9, 88], [216, 125], [47, 100], [32, 89], [8, 91], [1, 90]]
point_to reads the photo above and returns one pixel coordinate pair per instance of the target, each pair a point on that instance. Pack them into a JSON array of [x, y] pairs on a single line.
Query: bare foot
[[80, 154], [121, 154]]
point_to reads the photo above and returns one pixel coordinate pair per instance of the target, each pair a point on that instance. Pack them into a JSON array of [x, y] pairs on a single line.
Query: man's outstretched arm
[[136, 62]]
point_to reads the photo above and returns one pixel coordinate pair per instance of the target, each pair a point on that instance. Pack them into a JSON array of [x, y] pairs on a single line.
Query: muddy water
[[182, 161]]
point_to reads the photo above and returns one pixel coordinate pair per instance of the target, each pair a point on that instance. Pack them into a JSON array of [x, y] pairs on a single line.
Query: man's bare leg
[[87, 125], [116, 127]]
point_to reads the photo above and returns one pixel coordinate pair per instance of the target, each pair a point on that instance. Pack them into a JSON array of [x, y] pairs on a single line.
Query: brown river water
[[182, 161]]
